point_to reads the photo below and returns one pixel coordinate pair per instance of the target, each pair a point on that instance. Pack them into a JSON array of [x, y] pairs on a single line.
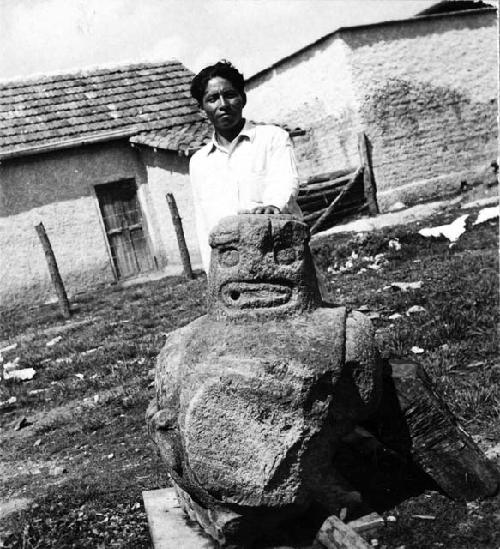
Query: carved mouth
[[255, 295]]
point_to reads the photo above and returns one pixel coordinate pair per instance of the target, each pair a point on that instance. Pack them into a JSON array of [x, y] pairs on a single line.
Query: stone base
[[169, 527]]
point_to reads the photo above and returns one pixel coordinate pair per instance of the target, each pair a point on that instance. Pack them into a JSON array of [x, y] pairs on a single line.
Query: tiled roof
[[70, 109], [188, 138], [184, 139]]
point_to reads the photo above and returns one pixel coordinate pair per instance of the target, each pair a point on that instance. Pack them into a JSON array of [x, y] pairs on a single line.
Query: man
[[245, 168]]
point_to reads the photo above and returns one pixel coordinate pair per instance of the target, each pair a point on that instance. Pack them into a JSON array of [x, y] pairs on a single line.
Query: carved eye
[[285, 256], [229, 257]]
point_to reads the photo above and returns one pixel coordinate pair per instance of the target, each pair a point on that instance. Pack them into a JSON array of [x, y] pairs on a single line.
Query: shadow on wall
[[419, 131]]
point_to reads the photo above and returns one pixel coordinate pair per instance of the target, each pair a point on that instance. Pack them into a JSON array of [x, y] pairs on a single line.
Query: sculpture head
[[261, 266]]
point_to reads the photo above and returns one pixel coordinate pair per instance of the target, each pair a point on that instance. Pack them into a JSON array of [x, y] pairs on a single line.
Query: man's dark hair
[[224, 69]]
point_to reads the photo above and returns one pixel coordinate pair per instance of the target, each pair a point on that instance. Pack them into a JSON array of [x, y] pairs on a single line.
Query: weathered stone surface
[[261, 266], [252, 399]]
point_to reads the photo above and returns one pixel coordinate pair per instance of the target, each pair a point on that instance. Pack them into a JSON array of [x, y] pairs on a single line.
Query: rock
[[53, 341], [21, 423], [57, 470], [404, 286], [414, 309], [493, 452], [396, 207], [335, 534], [252, 399], [394, 244], [395, 316], [21, 375], [8, 348], [8, 405]]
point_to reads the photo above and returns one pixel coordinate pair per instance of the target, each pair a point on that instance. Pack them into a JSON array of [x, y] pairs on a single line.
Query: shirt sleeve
[[200, 220], [282, 180]]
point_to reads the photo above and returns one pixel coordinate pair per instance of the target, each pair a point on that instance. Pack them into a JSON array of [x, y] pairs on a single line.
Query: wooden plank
[[369, 180], [439, 445], [313, 216], [335, 534], [328, 176], [331, 208], [169, 527], [62, 296], [179, 232], [328, 184], [367, 525], [326, 195]]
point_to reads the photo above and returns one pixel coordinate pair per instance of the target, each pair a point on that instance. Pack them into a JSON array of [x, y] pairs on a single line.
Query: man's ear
[[244, 95]]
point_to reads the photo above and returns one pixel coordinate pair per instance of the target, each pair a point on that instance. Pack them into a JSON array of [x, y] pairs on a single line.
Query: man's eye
[[229, 257]]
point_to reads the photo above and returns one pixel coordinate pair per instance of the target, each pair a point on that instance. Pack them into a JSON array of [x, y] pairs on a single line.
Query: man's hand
[[265, 210]]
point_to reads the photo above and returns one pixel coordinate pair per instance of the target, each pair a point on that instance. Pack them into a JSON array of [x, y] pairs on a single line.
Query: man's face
[[223, 104]]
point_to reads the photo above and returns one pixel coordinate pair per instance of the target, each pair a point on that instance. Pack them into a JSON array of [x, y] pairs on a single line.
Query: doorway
[[122, 216]]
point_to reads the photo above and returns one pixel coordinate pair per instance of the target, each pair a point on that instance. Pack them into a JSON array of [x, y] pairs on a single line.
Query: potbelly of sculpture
[[252, 399]]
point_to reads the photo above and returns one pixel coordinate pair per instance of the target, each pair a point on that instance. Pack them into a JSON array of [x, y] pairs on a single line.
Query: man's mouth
[[255, 295]]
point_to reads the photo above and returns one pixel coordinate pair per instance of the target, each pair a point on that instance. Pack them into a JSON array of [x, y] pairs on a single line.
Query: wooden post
[[179, 231], [62, 297], [438, 444], [369, 180]]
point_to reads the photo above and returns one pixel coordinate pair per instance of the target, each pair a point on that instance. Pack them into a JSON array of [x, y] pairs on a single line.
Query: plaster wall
[[424, 91], [313, 91], [57, 189], [427, 93], [167, 172]]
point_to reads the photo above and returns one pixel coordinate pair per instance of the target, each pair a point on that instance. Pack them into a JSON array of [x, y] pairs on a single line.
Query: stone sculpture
[[252, 399], [257, 403]]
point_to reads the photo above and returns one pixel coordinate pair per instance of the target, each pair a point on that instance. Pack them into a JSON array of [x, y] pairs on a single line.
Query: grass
[[86, 403]]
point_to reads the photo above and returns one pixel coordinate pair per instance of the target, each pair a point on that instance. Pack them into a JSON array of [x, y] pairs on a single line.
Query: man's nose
[[223, 101]]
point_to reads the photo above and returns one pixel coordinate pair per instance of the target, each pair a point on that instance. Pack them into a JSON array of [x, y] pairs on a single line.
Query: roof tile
[[132, 98]]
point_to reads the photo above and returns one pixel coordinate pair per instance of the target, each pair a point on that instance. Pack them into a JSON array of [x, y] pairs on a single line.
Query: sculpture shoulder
[[331, 315], [173, 352], [360, 337]]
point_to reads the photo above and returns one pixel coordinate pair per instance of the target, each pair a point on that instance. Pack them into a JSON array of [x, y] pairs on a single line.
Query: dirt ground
[[75, 455]]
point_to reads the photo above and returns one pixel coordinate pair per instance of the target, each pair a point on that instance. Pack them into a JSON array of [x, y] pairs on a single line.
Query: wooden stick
[[62, 296], [315, 228], [181, 241], [439, 445], [369, 180], [329, 184], [327, 194], [329, 176]]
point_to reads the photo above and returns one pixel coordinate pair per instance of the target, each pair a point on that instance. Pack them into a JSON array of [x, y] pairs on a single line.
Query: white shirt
[[259, 168]]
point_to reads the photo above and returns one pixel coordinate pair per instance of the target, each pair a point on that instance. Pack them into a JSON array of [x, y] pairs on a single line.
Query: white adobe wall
[[167, 172], [313, 91], [427, 93], [56, 188]]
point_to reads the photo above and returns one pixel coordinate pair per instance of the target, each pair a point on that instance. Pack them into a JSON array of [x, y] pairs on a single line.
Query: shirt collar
[[248, 132]]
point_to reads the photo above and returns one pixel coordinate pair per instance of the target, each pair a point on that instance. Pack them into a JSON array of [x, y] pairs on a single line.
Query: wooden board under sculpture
[[254, 400]]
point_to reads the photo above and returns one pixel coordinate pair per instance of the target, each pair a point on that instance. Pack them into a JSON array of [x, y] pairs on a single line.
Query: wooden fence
[[331, 197]]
